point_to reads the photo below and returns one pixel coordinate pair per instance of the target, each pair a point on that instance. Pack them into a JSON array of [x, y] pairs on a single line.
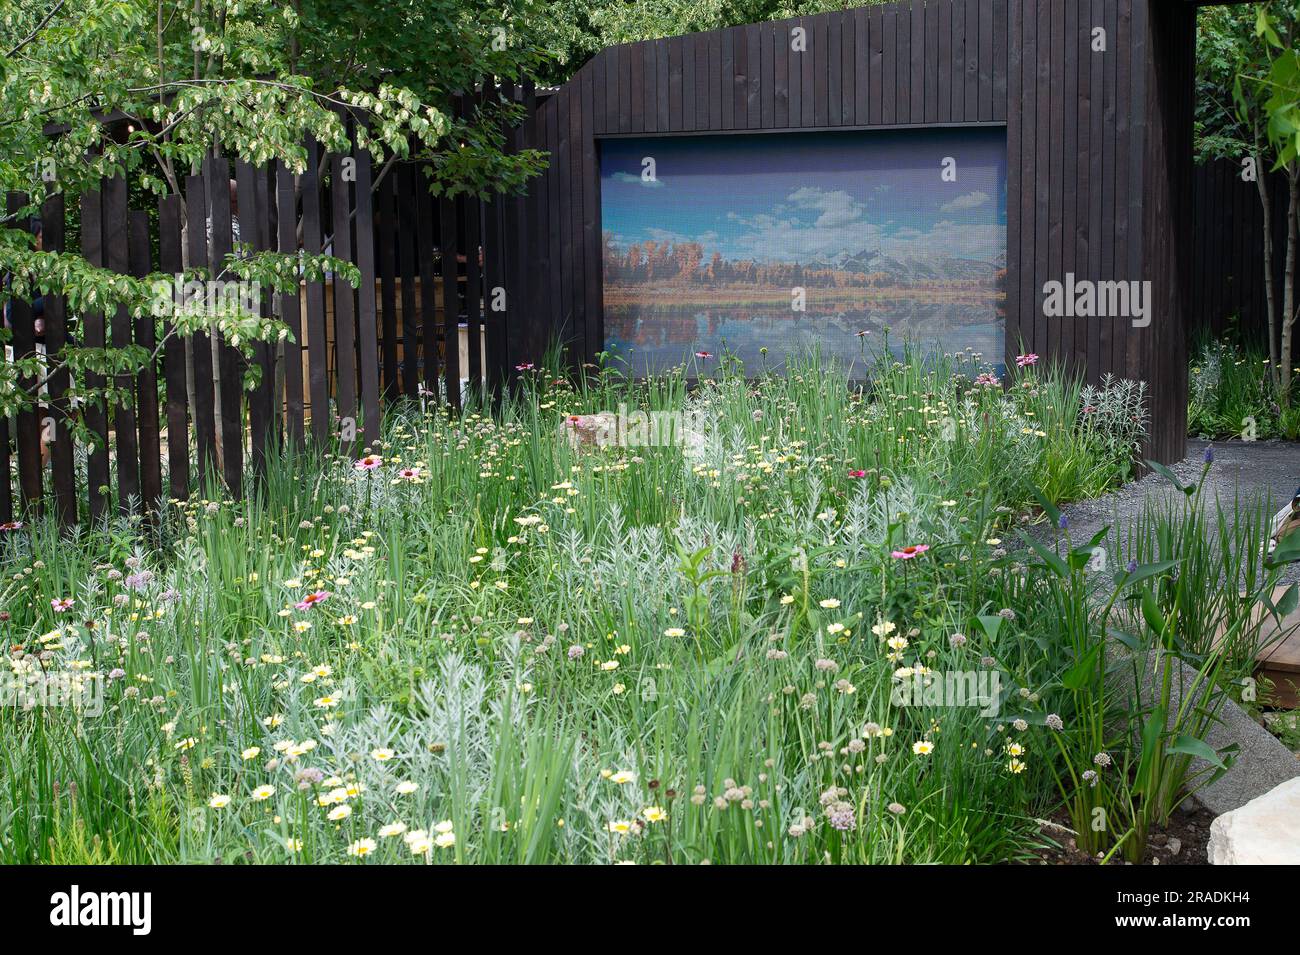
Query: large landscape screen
[[761, 246]]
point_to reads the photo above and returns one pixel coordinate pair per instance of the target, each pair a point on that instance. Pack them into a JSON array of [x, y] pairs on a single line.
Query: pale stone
[[1265, 831]]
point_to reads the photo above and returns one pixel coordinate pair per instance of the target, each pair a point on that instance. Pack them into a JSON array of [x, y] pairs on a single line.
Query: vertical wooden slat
[[216, 173], [472, 244], [345, 345], [28, 437], [170, 262], [62, 458], [290, 307], [1017, 307], [408, 200], [254, 230], [146, 382], [367, 330], [317, 355], [117, 258], [205, 428], [451, 304], [425, 258], [385, 247]]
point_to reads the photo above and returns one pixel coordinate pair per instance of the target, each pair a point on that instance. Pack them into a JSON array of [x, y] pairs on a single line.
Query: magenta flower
[[61, 604], [913, 550], [312, 599], [11, 526], [408, 474], [1024, 361], [857, 474], [369, 462], [704, 354], [988, 379], [526, 366]]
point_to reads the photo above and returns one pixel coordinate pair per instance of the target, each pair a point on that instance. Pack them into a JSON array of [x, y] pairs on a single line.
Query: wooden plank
[[62, 458], [28, 435], [753, 64], [386, 228], [345, 317], [472, 239], [1057, 108], [1096, 184], [591, 238], [117, 258], [780, 76], [767, 74], [146, 382], [1074, 341], [367, 330], [1123, 143], [204, 423], [290, 307], [1000, 56], [254, 222], [426, 252], [170, 259], [626, 106], [834, 80], [451, 305], [987, 28], [861, 66], [1042, 158], [637, 88], [917, 38], [903, 65], [1017, 306], [407, 219], [317, 355], [221, 212], [972, 107], [944, 66], [889, 67], [1030, 299], [699, 79], [808, 75], [671, 103], [687, 45], [794, 72], [576, 275], [822, 57]]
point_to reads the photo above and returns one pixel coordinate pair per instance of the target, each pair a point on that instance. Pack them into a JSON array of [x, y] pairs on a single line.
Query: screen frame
[[598, 138]]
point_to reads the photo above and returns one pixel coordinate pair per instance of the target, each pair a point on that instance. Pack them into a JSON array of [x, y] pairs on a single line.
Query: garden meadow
[[492, 640]]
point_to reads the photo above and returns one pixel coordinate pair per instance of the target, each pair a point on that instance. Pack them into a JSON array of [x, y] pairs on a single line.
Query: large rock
[[1265, 831], [1262, 762]]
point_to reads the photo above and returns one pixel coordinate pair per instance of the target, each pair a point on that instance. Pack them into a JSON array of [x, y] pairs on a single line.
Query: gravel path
[[1253, 470]]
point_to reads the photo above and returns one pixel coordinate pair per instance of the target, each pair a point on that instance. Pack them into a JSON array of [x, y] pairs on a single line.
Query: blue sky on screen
[[813, 196]]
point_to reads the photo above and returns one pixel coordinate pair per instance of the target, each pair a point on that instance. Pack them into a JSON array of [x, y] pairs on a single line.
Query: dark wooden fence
[[1228, 287], [398, 334]]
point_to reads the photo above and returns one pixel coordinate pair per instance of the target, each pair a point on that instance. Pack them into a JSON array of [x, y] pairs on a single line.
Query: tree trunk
[[1270, 294], [1288, 279]]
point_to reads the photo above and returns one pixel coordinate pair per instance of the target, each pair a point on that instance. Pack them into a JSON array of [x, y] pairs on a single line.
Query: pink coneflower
[[526, 366], [988, 379], [913, 550], [704, 354], [863, 333], [1089, 409], [857, 474], [369, 462], [11, 526], [1023, 361], [312, 599], [409, 474], [62, 604]]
